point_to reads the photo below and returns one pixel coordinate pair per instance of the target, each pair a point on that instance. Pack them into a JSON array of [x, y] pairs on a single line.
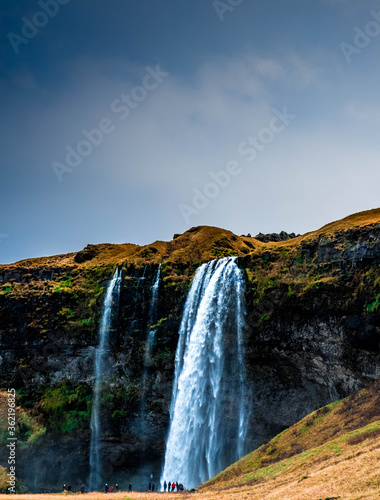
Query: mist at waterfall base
[[209, 410], [101, 354]]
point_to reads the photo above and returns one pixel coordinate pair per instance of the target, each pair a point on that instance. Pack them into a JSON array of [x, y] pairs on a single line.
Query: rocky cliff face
[[313, 336], [313, 323]]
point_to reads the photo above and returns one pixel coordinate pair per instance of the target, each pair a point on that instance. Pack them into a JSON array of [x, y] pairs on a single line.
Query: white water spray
[[101, 353], [209, 409]]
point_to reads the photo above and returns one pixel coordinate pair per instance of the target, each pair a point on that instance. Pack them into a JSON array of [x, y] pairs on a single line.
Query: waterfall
[[151, 318], [150, 341], [153, 302], [101, 354], [209, 410], [137, 299]]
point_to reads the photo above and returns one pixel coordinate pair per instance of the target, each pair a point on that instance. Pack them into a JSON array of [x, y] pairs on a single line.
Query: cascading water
[[209, 410], [101, 353], [151, 337], [138, 299], [153, 302], [151, 318]]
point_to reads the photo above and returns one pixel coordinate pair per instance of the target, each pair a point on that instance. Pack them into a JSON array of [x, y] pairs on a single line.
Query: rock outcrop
[[274, 237]]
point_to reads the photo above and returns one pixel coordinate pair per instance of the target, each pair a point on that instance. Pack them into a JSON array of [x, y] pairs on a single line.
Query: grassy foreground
[[351, 475], [332, 453]]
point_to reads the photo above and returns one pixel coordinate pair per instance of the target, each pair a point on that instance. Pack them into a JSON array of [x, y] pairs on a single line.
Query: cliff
[[312, 336]]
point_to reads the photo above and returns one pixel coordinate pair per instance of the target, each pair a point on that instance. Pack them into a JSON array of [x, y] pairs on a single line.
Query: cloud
[[362, 112], [167, 146]]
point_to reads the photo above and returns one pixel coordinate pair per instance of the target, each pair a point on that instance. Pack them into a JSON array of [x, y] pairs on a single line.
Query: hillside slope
[[343, 436], [198, 244]]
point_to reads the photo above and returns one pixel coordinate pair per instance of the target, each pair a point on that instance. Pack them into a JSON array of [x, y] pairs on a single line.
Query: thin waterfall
[[209, 410], [151, 337], [153, 303], [101, 353], [151, 319], [137, 299]]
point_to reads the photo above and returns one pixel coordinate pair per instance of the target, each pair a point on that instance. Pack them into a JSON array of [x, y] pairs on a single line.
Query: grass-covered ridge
[[331, 431], [298, 263], [198, 244]]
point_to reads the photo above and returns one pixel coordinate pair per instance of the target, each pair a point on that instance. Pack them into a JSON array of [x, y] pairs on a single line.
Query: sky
[[131, 120]]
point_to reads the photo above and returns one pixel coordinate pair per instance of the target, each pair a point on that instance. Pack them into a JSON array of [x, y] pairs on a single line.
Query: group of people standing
[[67, 487], [173, 486], [170, 486], [111, 489]]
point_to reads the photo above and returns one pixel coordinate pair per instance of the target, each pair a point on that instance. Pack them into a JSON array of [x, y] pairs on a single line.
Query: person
[[165, 485], [153, 485], [173, 485], [64, 488], [69, 487], [106, 488], [111, 489], [150, 486], [176, 483], [130, 487], [117, 487], [169, 485], [82, 488]]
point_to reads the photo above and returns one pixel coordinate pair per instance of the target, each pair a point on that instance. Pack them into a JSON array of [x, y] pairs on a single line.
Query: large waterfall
[[209, 409], [101, 354]]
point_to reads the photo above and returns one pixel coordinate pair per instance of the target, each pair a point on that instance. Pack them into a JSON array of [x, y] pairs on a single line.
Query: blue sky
[[203, 84]]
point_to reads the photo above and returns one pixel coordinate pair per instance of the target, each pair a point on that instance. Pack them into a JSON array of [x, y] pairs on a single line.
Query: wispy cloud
[[362, 112]]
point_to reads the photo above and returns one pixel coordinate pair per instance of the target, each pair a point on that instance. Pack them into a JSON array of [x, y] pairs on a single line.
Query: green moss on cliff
[[63, 286], [5, 289], [29, 428], [4, 484], [66, 408]]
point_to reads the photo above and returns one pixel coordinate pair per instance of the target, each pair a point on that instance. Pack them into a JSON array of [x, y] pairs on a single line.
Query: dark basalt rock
[[283, 236], [88, 253]]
